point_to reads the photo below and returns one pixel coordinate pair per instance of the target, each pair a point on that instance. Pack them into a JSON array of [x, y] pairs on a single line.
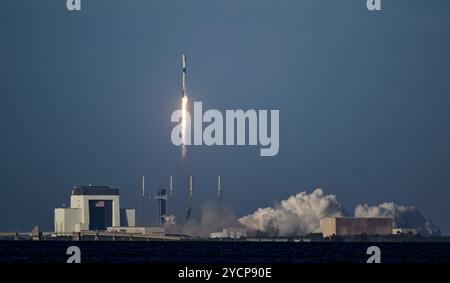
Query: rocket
[[183, 64]]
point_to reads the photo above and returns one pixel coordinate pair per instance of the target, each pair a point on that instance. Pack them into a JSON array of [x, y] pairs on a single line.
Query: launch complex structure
[[162, 197]]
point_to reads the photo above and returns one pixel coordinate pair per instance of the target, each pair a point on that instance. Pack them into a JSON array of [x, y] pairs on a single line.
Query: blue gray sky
[[86, 98]]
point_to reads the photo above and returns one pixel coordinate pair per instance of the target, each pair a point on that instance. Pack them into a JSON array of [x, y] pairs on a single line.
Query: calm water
[[221, 252]]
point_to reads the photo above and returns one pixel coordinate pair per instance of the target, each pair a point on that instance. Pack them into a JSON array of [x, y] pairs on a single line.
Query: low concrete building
[[148, 231], [351, 226], [216, 235], [404, 231], [229, 233]]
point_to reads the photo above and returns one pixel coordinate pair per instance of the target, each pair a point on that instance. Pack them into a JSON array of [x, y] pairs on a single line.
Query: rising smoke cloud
[[169, 220], [300, 214], [214, 217], [404, 217]]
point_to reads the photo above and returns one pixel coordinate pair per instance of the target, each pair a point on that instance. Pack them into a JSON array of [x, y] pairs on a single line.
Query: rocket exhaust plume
[[301, 213], [404, 217], [184, 107], [298, 215], [211, 220]]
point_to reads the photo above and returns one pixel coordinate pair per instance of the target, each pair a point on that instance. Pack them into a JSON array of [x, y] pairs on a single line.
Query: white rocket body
[[183, 89]]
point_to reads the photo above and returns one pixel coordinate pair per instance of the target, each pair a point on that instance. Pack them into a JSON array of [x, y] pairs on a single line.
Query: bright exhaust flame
[[184, 111]]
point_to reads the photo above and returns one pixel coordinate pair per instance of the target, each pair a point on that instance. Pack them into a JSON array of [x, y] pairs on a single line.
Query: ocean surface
[[220, 252]]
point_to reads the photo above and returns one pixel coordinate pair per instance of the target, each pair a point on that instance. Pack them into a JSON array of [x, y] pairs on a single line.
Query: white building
[[92, 208], [128, 217], [67, 220]]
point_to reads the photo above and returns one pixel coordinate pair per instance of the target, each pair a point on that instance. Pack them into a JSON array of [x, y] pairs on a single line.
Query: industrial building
[[352, 226], [92, 208]]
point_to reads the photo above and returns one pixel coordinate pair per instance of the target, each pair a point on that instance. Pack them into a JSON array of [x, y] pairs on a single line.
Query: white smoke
[[404, 217], [214, 217], [298, 215], [169, 220], [301, 214]]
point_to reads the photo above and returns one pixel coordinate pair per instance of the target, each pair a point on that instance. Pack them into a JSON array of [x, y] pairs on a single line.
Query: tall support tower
[[171, 186], [190, 201], [143, 222], [219, 190], [162, 206], [219, 200], [161, 197]]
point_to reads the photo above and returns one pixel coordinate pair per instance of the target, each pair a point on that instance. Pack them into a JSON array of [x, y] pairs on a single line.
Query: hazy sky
[[86, 98]]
